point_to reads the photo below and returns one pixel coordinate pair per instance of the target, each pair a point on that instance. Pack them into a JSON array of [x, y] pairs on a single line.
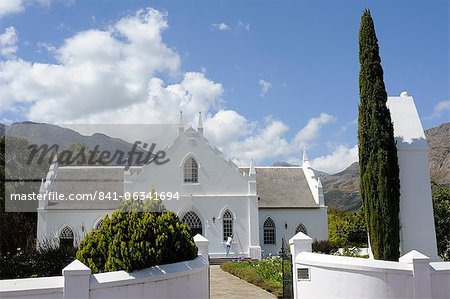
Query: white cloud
[[337, 161], [113, 76], [8, 42], [312, 129], [97, 71], [10, 6], [243, 140], [220, 26], [265, 86], [440, 109], [242, 25]]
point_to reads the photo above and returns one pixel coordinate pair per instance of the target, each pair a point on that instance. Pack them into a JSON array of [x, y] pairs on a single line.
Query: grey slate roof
[[282, 187], [88, 180], [277, 187]]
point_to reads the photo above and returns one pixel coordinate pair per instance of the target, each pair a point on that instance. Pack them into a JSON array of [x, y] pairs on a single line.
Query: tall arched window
[[301, 228], [227, 225], [194, 222], [190, 171], [66, 237], [269, 231]]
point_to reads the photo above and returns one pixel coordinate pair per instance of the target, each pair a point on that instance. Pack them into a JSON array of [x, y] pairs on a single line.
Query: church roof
[[88, 180], [277, 187], [282, 187]]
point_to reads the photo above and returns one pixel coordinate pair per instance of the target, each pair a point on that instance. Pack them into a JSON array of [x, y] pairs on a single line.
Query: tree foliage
[[15, 176], [441, 207], [137, 240], [379, 172], [346, 229]]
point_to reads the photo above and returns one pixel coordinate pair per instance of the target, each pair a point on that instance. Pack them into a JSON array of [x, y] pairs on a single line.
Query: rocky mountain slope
[[341, 190]]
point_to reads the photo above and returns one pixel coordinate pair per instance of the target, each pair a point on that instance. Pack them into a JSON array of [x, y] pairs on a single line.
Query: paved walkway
[[225, 285]]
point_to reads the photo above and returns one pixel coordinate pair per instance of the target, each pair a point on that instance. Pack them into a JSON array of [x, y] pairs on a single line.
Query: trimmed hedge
[[134, 241]]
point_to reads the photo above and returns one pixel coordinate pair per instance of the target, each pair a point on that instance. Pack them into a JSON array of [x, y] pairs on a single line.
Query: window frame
[[190, 171], [227, 225], [269, 232], [192, 215]]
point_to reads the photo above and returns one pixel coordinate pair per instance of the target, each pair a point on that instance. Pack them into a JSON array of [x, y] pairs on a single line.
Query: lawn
[[265, 273]]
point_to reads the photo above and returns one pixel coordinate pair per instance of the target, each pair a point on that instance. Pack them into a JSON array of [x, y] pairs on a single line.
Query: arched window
[[227, 225], [269, 231], [66, 237], [190, 171], [194, 222], [301, 228], [98, 224]]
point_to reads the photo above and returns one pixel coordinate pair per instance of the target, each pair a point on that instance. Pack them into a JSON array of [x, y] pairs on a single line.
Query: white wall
[[417, 231], [50, 222], [189, 279], [315, 221], [347, 277]]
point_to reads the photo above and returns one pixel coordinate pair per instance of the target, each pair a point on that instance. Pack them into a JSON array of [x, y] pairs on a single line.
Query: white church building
[[257, 206]]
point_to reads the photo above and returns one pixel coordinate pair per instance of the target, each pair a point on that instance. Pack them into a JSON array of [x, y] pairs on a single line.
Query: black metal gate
[[286, 268]]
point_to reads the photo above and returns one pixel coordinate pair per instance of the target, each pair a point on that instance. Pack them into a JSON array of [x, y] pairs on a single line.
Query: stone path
[[225, 285]]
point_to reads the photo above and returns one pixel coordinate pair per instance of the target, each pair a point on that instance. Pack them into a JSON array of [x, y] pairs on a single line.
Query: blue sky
[[277, 74]]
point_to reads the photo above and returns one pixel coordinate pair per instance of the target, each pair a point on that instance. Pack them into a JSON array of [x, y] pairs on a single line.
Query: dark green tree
[[379, 172], [441, 208]]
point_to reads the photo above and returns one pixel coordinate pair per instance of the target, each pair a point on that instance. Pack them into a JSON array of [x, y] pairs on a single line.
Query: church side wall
[[50, 222], [315, 221]]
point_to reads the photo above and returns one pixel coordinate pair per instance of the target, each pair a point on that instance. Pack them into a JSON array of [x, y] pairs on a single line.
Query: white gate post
[[298, 243], [76, 280]]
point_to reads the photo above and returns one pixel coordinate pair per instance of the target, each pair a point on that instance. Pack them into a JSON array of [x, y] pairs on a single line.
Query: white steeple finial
[[180, 123], [200, 123], [305, 158], [252, 170]]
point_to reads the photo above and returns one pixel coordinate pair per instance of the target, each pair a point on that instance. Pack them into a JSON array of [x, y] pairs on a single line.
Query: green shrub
[[49, 260], [265, 273], [134, 241], [324, 246]]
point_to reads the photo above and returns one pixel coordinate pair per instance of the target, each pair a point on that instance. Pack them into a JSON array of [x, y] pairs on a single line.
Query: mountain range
[[341, 190]]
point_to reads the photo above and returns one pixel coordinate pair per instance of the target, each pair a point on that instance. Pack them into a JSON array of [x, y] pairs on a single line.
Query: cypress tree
[[379, 172]]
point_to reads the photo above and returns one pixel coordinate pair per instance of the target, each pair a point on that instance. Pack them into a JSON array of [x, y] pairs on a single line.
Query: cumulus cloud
[[98, 71], [10, 6], [115, 75], [243, 140], [338, 160], [440, 109], [265, 86], [220, 26], [8, 42], [311, 131]]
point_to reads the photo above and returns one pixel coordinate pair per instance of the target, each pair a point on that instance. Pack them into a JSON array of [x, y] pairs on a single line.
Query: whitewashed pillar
[[421, 273], [202, 245], [76, 280], [298, 243]]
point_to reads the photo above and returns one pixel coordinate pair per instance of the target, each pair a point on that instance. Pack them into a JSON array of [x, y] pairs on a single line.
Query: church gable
[[194, 167]]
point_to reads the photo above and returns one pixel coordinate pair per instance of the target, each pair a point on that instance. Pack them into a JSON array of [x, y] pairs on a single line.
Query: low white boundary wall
[[328, 276], [189, 279]]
